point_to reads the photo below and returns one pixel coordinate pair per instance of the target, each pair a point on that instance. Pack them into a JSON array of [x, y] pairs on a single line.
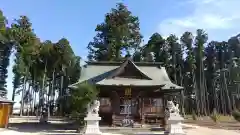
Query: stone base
[[177, 134], [175, 125], [92, 134], [92, 131], [92, 117], [137, 125], [92, 127], [176, 129]]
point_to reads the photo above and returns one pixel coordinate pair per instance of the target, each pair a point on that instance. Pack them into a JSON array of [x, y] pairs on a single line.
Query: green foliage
[[236, 115], [38, 64], [80, 98], [215, 116], [119, 31], [187, 40], [5, 52], [157, 46], [74, 70]]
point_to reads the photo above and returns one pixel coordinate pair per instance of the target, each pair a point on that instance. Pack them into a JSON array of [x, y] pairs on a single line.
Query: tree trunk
[[227, 94], [34, 103], [48, 98], [13, 94], [29, 92], [196, 94], [53, 91], [22, 98], [61, 96], [41, 100], [13, 98]]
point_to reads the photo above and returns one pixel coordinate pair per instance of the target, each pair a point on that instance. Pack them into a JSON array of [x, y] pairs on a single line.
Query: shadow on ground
[[66, 128], [69, 128], [36, 127]]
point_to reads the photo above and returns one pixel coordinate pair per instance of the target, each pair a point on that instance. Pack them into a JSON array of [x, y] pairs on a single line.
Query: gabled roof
[[102, 73], [122, 67], [129, 82]]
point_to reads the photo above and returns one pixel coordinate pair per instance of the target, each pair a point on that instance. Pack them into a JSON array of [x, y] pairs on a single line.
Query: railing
[[126, 122], [153, 110]]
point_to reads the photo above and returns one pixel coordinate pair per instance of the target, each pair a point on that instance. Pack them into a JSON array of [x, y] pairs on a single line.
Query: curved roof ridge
[[124, 64], [140, 69], [165, 74]]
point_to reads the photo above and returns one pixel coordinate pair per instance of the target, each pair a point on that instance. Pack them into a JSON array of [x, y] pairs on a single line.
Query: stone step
[[151, 133], [137, 125], [157, 129]]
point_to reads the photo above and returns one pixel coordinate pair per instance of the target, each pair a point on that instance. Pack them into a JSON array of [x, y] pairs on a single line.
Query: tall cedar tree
[[118, 33]]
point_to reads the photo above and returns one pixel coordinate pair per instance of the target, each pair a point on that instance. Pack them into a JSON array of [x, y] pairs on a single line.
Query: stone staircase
[[134, 131], [148, 130]]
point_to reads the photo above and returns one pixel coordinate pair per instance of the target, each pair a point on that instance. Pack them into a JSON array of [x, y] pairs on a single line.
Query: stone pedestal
[[92, 127], [175, 124]]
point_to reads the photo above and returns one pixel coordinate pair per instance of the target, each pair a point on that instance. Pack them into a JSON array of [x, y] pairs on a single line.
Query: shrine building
[[133, 90]]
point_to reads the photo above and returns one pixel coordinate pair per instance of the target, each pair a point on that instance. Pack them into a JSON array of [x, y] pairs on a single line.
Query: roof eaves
[[170, 85], [4, 100]]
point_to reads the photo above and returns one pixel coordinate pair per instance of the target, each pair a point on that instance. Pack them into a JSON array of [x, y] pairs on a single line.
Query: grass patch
[[214, 116], [236, 115]]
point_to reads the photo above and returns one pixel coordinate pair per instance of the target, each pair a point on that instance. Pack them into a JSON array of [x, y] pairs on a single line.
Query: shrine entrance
[[125, 106], [128, 105]]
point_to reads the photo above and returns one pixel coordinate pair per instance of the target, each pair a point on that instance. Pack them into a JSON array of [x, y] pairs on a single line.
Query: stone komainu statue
[[93, 107], [172, 108]]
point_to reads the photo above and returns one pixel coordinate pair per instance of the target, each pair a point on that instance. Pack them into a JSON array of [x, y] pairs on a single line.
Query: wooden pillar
[[113, 119], [182, 102], [142, 111], [165, 118], [4, 114], [114, 105], [234, 103]]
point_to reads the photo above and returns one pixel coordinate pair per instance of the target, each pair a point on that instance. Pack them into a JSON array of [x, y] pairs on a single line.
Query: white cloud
[[214, 16]]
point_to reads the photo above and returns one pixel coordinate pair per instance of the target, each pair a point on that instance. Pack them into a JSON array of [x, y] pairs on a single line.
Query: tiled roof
[[129, 82], [98, 73], [5, 100]]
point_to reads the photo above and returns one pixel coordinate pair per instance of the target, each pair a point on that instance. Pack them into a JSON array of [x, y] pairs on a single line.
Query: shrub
[[194, 115], [214, 116], [236, 115], [79, 99]]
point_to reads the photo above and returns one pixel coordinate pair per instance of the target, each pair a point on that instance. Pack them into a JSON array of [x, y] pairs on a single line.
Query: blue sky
[[76, 20]]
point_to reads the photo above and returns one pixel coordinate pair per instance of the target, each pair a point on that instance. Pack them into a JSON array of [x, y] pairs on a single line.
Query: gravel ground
[[190, 131], [30, 126], [208, 131]]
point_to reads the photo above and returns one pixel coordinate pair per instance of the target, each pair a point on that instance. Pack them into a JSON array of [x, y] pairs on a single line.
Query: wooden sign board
[[128, 92]]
